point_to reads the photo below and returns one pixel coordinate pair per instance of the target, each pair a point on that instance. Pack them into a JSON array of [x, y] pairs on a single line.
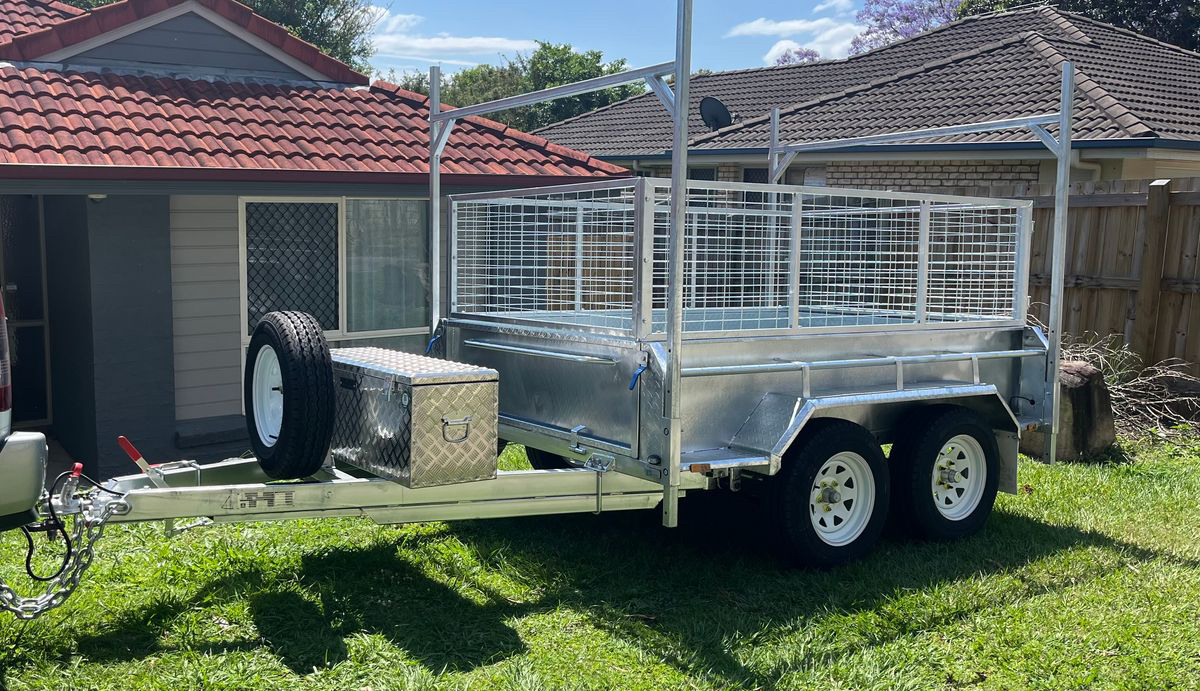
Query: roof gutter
[[1134, 143], [17, 171]]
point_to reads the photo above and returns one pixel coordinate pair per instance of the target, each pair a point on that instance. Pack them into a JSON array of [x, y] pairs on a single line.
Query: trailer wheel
[[289, 396], [544, 460], [830, 500], [944, 474]]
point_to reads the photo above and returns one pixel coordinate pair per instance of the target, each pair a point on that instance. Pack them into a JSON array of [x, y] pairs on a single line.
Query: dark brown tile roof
[[987, 67], [1017, 77]]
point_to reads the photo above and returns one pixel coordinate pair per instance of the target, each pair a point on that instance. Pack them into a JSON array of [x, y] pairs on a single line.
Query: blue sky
[[727, 34]]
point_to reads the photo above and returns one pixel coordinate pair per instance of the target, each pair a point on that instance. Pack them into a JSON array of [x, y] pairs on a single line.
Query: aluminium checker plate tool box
[[417, 420]]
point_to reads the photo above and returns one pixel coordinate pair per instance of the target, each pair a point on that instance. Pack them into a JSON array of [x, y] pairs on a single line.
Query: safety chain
[[87, 530]]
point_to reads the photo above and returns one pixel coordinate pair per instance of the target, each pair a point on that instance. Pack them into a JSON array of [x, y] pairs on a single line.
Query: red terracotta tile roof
[[115, 126], [23, 16], [55, 36]]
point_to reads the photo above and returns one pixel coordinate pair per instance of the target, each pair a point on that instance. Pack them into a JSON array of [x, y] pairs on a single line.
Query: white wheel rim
[[842, 499], [267, 396], [959, 475]]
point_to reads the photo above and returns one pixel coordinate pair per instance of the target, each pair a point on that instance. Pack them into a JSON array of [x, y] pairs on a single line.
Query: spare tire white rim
[[958, 478], [842, 499], [267, 393]]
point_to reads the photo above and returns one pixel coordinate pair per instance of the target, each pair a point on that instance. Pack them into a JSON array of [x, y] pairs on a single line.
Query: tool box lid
[[407, 368]]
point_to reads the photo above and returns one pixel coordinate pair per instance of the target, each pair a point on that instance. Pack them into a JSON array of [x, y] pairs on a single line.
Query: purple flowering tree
[[796, 56], [892, 20]]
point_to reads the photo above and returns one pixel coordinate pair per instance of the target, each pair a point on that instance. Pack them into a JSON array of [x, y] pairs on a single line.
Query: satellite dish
[[714, 113]]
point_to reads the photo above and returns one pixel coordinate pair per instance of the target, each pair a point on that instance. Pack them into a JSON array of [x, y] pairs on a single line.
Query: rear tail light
[[5, 366]]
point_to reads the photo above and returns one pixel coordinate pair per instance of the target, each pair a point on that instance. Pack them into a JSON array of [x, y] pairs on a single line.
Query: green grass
[[1090, 578]]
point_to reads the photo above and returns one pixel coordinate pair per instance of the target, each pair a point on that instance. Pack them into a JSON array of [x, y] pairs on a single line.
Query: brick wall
[[923, 175], [731, 172]]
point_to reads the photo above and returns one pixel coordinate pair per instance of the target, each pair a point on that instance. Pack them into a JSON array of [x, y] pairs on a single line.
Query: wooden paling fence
[[1132, 269]]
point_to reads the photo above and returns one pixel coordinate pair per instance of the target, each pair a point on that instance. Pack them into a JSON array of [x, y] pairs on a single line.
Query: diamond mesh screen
[[292, 260]]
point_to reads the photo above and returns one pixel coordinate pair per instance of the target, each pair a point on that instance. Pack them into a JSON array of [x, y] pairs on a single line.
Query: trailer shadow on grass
[[683, 594], [687, 593], [304, 616]]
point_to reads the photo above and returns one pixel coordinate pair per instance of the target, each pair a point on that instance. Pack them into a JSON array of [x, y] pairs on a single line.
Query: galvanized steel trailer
[[765, 337], [799, 304]]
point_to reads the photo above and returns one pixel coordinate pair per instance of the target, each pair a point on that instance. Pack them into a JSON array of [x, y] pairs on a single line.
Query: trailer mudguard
[[777, 420]]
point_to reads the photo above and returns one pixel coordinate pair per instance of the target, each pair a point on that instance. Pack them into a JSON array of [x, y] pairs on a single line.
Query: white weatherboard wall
[[204, 289]]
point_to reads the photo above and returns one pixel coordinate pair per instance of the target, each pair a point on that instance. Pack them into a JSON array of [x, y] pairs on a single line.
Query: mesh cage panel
[[737, 258], [858, 260], [756, 257], [972, 256], [292, 260], [564, 257]]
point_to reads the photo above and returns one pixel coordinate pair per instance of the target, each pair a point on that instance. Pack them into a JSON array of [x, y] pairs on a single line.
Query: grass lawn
[[1088, 578]]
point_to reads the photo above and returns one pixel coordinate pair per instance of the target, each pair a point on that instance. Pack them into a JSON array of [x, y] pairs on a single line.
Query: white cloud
[[829, 37], [787, 27], [780, 48], [400, 22], [394, 39], [444, 45], [839, 6], [834, 42]]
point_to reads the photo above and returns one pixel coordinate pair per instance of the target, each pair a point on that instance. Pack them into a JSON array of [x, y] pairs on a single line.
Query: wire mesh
[[737, 258], [756, 257], [564, 257], [859, 260], [973, 254]]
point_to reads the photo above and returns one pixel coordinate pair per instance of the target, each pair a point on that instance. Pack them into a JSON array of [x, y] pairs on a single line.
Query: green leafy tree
[[485, 83], [1171, 21], [340, 28], [552, 64]]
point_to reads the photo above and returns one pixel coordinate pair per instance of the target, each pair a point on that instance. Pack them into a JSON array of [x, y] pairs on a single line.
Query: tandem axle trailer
[[644, 339]]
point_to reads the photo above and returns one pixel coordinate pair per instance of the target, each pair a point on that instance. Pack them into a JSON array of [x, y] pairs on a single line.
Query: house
[[170, 170], [1137, 112]]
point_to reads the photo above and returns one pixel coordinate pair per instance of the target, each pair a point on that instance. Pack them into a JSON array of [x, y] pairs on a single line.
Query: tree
[[552, 64], [797, 56], [888, 21], [340, 28], [1172, 21]]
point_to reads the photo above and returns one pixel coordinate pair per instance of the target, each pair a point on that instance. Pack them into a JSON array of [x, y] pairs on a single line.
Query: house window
[[387, 268], [359, 266], [702, 173], [758, 175]]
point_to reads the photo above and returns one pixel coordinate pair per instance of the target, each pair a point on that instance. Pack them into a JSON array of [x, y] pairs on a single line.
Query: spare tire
[[288, 395]]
